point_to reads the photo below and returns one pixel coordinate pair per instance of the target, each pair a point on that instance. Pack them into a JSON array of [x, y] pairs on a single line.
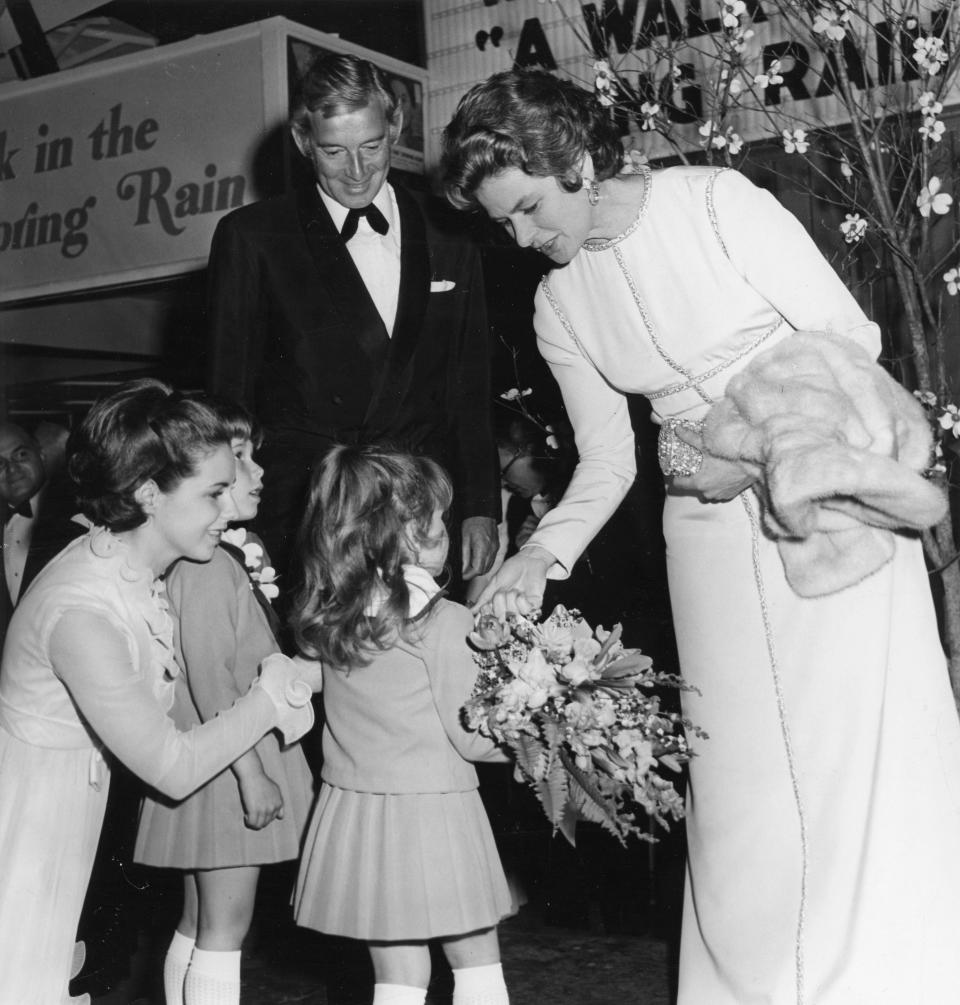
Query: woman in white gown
[[824, 809], [88, 669]]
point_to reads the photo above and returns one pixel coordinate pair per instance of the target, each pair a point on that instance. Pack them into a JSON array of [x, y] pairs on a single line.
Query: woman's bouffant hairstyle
[[531, 120], [335, 82], [369, 511], [144, 430]]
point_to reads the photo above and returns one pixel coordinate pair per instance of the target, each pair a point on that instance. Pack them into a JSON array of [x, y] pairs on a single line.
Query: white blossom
[[514, 394], [771, 77], [634, 161], [950, 419], [831, 21], [732, 11], [928, 103], [933, 130], [603, 82], [853, 228], [930, 54], [740, 38], [931, 199], [952, 279], [649, 110], [795, 141]]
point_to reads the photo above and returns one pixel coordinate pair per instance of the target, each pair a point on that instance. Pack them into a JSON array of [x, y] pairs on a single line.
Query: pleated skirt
[[206, 830], [399, 868], [50, 820]]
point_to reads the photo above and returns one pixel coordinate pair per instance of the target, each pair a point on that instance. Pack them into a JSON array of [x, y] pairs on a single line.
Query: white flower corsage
[[263, 577]]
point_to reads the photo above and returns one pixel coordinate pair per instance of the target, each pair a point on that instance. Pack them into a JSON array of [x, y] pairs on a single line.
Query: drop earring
[[593, 190]]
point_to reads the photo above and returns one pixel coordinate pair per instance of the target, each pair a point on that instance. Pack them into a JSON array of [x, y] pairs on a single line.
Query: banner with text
[[118, 171], [667, 53]]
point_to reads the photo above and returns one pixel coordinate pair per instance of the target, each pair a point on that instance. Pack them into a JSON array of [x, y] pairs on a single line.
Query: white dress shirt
[[377, 256], [16, 546]]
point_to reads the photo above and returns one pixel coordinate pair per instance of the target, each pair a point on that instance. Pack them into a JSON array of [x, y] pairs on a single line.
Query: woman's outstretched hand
[[290, 685], [518, 585]]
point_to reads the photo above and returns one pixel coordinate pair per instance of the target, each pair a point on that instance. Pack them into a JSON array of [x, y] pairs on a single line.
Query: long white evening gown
[[824, 810]]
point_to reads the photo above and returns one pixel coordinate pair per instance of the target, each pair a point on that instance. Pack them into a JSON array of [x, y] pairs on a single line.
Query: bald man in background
[[36, 510]]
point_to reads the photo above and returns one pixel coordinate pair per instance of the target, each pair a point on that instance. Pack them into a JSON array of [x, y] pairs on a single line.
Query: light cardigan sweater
[[394, 726]]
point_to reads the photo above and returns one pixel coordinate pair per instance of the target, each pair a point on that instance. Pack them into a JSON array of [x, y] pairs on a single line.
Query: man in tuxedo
[[36, 515], [352, 310]]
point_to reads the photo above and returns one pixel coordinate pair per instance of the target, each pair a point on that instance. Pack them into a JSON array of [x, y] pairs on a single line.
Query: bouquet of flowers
[[579, 715]]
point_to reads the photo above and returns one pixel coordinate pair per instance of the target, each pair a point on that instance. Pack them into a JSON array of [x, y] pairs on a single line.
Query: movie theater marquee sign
[[667, 51]]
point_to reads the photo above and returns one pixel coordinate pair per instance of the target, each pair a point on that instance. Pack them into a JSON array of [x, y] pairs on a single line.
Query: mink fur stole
[[838, 446]]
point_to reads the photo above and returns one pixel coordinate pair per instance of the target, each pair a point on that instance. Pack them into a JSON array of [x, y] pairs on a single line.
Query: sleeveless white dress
[[824, 809]]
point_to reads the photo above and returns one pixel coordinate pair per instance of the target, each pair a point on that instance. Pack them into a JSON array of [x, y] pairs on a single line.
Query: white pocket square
[[442, 285]]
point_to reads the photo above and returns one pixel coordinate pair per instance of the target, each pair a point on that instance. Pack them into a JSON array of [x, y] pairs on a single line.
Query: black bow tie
[[375, 218], [23, 509]]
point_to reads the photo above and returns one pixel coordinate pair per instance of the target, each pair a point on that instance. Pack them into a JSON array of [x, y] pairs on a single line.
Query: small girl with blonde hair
[[399, 850]]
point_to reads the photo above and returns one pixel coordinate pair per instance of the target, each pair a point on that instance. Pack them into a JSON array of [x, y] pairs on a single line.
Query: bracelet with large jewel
[[678, 458]]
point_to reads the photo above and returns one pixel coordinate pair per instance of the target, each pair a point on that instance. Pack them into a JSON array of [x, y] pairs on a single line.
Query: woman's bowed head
[[532, 151]]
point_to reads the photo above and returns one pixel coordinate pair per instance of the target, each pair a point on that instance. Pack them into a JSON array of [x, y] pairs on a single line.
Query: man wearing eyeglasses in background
[[352, 310]]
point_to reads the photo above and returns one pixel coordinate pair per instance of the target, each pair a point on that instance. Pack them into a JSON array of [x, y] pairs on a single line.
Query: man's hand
[[480, 543]]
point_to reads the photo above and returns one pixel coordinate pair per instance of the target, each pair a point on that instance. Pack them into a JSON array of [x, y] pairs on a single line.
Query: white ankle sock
[[213, 978], [398, 994], [175, 966], [480, 986]]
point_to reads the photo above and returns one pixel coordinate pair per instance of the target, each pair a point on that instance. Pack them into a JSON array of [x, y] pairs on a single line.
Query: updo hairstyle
[[531, 120], [144, 430]]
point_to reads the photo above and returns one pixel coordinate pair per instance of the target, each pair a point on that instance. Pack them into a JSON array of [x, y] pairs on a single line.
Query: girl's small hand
[[519, 584], [262, 800]]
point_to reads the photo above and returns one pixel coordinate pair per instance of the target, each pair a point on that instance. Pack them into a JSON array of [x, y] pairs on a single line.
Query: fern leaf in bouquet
[[581, 717]]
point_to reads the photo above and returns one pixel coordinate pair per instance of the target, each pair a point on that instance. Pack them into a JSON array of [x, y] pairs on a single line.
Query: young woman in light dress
[[88, 668]]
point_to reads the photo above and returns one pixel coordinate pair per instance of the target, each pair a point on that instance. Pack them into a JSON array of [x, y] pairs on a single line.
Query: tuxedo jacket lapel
[[342, 279], [411, 308]]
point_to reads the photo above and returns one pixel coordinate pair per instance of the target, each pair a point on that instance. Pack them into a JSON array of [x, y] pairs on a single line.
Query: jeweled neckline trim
[[647, 175]]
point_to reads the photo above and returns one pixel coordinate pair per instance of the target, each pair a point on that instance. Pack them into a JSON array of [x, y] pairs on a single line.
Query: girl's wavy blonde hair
[[368, 514]]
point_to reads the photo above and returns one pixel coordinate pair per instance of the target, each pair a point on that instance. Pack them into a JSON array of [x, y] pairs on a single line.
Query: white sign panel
[[666, 52], [119, 171]]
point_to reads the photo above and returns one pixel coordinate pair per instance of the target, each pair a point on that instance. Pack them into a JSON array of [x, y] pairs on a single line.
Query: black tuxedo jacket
[[53, 530], [295, 336]]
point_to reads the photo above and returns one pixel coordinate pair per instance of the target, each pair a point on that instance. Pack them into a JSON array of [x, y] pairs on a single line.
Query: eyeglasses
[[513, 460]]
